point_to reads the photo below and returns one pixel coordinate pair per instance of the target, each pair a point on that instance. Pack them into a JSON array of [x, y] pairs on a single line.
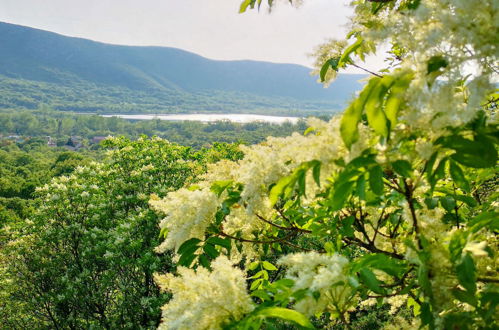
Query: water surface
[[236, 118]]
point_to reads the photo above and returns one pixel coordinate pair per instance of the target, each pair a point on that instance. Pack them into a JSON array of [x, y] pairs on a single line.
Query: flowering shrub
[[389, 203], [85, 258]]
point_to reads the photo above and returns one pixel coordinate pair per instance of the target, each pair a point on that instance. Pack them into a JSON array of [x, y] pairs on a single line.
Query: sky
[[211, 28]]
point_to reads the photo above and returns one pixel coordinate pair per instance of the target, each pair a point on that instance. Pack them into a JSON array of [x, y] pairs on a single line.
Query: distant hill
[[40, 67]]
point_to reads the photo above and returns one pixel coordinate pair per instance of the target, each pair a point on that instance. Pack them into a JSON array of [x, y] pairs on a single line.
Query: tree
[[84, 258], [389, 203]]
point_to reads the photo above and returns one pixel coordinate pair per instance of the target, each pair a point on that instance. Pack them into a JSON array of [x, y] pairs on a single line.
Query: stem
[[283, 239], [364, 69], [282, 227]]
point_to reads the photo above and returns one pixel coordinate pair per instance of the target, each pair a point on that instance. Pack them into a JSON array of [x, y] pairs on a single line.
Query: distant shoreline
[[235, 118]]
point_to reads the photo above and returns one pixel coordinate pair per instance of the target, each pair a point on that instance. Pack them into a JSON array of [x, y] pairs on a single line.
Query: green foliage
[[85, 257]]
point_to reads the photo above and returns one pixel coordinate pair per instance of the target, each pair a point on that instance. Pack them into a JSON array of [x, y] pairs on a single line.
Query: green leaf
[[448, 203], [253, 265], [485, 219], [287, 315], [220, 242], [439, 172], [396, 97], [211, 251], [345, 57], [466, 273], [218, 187], [465, 296], [268, 266], [376, 179], [458, 176], [361, 187], [353, 114], [331, 63], [431, 202], [426, 315], [369, 279], [188, 245], [341, 194], [346, 228], [256, 284], [187, 258], [436, 63], [375, 115], [203, 260], [279, 187], [316, 172], [477, 153], [456, 245], [470, 201], [391, 266], [244, 5], [402, 167]]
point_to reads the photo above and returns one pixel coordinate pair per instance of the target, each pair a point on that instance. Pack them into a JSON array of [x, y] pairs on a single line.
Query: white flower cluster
[[189, 212], [324, 274], [463, 33], [204, 299]]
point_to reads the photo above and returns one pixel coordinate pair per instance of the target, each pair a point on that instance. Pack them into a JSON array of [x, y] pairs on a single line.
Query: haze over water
[[236, 118]]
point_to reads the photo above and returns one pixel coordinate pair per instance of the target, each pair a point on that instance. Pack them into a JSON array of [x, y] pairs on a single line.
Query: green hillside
[[73, 74]]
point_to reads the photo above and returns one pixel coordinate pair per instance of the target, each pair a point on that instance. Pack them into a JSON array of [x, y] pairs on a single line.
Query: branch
[[488, 280], [279, 240], [364, 69], [282, 227], [372, 248]]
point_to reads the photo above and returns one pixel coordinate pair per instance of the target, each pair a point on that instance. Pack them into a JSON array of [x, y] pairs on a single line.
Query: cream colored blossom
[[188, 214], [204, 299], [320, 273]]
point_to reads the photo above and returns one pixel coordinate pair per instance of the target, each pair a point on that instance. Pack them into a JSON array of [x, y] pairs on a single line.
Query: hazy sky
[[211, 28]]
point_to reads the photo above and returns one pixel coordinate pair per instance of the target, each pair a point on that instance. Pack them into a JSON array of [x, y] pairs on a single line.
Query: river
[[236, 118]]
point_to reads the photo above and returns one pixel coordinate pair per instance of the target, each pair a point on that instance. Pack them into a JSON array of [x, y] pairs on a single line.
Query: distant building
[[51, 142], [74, 143]]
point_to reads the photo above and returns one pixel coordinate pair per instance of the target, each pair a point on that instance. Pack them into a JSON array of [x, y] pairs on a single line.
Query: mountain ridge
[[170, 76]]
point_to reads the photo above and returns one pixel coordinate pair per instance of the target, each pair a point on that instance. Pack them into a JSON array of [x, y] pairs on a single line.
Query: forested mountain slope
[[77, 74]]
